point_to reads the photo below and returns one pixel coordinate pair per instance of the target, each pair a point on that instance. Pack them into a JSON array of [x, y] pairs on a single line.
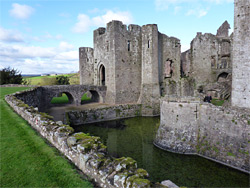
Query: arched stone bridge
[[73, 92]]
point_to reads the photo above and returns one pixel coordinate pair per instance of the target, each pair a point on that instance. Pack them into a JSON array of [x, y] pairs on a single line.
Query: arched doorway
[[222, 77], [102, 75]]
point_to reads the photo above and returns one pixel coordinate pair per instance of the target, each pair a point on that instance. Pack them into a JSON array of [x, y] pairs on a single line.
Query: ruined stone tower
[[241, 54], [137, 64]]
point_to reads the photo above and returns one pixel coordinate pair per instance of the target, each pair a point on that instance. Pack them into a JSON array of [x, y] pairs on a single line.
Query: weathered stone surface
[[241, 54], [208, 61], [85, 151], [169, 184], [132, 63], [218, 133], [41, 96], [104, 113]]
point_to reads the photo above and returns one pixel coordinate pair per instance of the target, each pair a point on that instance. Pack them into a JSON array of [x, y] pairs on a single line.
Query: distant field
[[49, 80]]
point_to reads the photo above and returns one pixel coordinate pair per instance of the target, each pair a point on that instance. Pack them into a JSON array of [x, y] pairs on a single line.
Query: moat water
[[134, 138]]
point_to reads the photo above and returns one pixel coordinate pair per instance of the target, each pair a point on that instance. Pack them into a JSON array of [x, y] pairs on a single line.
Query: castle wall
[[127, 63], [220, 134], [104, 55], [102, 114], [210, 56], [185, 63], [150, 87], [86, 66], [241, 55], [170, 65]]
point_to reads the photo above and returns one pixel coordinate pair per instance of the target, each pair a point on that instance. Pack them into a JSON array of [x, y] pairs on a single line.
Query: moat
[[134, 138]]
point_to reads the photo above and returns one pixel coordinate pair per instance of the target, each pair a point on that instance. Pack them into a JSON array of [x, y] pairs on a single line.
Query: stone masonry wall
[[86, 66], [170, 53], [104, 114], [150, 87], [213, 132], [86, 152], [127, 63], [241, 55]]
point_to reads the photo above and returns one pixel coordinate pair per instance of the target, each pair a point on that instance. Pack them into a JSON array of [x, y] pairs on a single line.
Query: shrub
[[62, 80], [10, 76]]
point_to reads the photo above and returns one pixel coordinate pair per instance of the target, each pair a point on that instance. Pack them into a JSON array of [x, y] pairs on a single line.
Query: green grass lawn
[[64, 99], [217, 102], [26, 159]]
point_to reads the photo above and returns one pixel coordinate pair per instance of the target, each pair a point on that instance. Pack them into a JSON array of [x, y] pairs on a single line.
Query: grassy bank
[[26, 159]]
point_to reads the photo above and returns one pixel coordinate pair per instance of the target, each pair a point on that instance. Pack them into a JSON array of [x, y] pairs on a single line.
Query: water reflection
[[134, 138]]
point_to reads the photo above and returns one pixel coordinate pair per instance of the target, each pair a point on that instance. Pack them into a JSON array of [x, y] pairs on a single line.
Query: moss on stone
[[142, 173], [23, 105], [230, 154], [135, 181], [117, 112], [45, 115]]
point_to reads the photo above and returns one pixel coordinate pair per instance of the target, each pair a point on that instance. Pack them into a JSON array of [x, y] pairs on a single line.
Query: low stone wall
[[86, 152], [31, 97], [217, 133], [104, 114]]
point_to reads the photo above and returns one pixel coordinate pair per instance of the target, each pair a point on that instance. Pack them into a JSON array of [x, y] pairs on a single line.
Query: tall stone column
[[241, 54]]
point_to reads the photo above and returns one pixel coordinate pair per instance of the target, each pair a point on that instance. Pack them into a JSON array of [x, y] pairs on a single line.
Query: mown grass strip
[[26, 160]]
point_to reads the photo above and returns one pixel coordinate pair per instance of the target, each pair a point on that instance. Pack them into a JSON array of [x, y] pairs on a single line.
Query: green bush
[[10, 76], [62, 80]]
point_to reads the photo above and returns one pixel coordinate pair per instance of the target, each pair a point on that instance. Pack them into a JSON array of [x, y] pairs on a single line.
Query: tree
[[10, 76], [62, 80]]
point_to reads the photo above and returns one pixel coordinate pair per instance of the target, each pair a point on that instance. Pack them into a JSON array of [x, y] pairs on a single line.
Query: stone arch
[[102, 75], [94, 95], [222, 77], [68, 94]]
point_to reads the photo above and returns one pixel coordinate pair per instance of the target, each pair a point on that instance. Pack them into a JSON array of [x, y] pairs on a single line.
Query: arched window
[[102, 75]]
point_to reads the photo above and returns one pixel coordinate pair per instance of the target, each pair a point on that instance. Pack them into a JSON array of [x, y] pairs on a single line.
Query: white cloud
[[22, 51], [198, 12], [95, 10], [85, 22], [21, 11], [65, 46], [10, 35], [125, 17], [36, 59], [164, 4]]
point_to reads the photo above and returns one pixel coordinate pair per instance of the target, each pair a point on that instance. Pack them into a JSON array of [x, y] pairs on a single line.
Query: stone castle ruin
[[209, 62], [137, 64], [140, 65], [139, 71]]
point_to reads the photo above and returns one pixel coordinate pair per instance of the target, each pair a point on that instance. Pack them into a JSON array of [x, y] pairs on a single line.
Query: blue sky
[[44, 36]]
